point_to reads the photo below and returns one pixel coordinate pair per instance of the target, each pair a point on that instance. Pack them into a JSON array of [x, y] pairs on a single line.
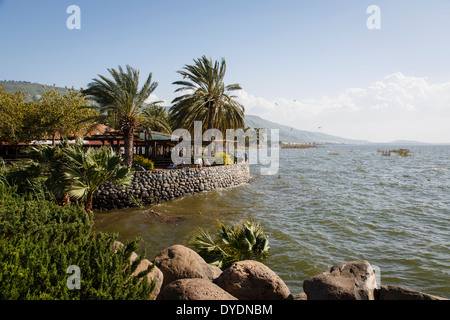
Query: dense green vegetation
[[39, 240], [54, 114], [63, 172]]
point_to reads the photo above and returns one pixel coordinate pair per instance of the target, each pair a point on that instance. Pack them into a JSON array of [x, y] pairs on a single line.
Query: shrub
[[25, 174], [223, 158], [21, 215], [147, 164], [33, 269], [40, 240]]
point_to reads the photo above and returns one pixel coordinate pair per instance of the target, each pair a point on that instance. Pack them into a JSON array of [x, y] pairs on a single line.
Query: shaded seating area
[[156, 146]]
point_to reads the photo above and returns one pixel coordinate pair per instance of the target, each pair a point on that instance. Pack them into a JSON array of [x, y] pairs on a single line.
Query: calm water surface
[[321, 209]]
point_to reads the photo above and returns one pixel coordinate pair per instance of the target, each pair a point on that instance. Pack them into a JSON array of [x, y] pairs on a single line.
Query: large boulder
[[345, 281], [179, 262], [391, 292], [154, 275], [252, 280], [193, 289]]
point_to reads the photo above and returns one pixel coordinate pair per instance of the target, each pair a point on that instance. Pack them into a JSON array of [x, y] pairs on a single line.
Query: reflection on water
[[325, 206]]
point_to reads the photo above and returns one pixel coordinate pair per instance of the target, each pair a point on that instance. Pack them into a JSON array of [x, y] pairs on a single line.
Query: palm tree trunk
[[88, 205], [211, 115], [65, 200], [129, 145]]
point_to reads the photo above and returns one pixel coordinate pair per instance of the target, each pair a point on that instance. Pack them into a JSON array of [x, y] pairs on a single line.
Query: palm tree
[[51, 160], [208, 99], [154, 118], [121, 97], [87, 170]]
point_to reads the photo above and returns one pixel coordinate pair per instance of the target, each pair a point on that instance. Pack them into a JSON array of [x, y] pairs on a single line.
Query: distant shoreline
[[298, 146]]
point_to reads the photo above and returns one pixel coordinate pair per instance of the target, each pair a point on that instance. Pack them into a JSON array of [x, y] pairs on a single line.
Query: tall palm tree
[[208, 99], [88, 169], [121, 96]]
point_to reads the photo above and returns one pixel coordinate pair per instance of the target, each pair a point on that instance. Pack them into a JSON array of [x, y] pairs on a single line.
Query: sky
[[313, 65]]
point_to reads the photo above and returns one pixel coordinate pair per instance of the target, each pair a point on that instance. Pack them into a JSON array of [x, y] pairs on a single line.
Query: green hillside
[[34, 90]]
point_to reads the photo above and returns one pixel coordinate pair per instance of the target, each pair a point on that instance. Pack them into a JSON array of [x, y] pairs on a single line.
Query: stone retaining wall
[[154, 186]]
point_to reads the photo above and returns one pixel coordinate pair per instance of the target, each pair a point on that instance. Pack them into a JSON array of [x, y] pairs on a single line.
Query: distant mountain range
[[293, 135], [34, 90], [287, 134]]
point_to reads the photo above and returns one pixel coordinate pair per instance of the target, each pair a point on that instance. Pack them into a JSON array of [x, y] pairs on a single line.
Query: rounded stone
[[179, 262], [252, 280], [193, 289]]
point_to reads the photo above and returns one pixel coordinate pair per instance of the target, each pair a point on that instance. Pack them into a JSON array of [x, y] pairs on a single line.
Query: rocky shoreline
[[181, 274]]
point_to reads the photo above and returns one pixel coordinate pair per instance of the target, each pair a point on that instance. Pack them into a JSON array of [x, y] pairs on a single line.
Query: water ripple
[[321, 209]]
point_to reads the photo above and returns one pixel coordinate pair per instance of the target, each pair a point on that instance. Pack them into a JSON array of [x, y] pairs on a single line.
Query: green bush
[[31, 269], [147, 164], [223, 158], [25, 174], [21, 215], [40, 240]]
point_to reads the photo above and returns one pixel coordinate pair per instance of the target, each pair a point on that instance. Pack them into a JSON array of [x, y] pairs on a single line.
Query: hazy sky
[[306, 64]]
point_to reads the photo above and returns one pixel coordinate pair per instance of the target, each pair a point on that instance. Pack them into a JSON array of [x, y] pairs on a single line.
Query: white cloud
[[153, 98], [396, 107]]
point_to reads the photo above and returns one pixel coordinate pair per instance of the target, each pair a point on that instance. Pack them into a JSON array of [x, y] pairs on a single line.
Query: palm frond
[[208, 100], [231, 244]]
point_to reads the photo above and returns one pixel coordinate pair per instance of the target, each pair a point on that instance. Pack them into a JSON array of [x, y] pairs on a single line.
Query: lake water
[[325, 206]]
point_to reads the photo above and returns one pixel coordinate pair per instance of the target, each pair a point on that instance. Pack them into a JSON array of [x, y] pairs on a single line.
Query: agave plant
[[232, 244], [87, 170]]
